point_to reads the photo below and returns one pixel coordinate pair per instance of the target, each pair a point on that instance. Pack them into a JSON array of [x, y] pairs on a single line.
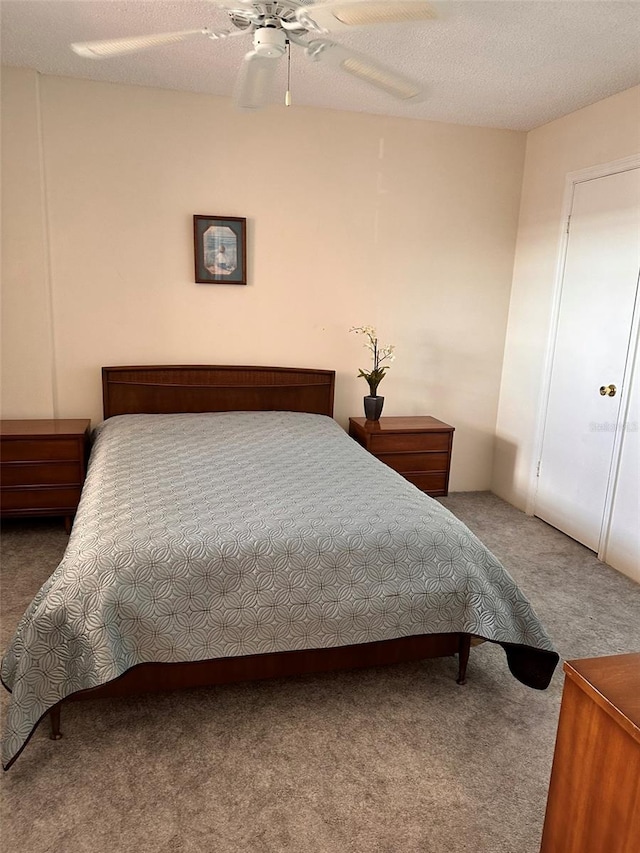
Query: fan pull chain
[[287, 94]]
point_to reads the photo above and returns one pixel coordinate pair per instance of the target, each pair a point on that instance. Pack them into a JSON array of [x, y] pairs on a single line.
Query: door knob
[[608, 390]]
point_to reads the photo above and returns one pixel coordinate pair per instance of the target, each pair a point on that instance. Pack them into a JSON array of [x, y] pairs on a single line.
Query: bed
[[230, 530]]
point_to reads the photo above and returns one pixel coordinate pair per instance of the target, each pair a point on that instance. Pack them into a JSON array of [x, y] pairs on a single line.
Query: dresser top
[[613, 683], [44, 427], [417, 423]]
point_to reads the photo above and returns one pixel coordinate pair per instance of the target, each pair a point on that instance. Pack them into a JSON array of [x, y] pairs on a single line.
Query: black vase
[[373, 407]]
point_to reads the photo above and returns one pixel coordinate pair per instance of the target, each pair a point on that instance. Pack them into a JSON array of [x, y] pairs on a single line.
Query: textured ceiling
[[500, 63]]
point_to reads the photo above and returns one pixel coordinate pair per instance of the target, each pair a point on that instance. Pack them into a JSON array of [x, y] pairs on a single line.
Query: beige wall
[[606, 131], [352, 219], [27, 357]]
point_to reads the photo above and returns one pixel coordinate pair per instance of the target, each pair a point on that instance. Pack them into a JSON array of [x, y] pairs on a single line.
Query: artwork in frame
[[220, 249]]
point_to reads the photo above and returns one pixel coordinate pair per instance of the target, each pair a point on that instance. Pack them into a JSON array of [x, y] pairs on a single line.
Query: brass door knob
[[608, 390]]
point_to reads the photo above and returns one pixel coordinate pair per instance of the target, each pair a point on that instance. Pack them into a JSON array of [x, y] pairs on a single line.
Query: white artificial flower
[[380, 354]]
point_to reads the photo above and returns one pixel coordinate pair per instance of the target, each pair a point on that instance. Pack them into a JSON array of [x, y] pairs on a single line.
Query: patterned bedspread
[[212, 535]]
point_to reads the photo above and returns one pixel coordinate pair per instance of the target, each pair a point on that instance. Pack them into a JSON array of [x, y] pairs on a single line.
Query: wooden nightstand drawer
[[40, 474], [38, 449], [433, 484], [409, 441], [403, 462], [53, 501]]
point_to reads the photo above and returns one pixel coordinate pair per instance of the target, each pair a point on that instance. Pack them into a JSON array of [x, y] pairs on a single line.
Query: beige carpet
[[390, 759]]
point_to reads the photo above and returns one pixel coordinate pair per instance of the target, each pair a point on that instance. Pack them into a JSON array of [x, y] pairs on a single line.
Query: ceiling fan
[[278, 24]]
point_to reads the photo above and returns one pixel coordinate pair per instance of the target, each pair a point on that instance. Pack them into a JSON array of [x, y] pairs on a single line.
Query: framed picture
[[220, 244]]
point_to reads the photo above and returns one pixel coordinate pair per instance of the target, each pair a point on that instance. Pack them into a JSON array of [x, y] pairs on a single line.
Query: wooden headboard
[[215, 388]]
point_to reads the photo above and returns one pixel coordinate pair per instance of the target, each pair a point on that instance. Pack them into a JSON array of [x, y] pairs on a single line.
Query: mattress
[[212, 535]]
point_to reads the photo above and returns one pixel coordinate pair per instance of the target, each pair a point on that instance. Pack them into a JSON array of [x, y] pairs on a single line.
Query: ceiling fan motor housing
[[269, 41]]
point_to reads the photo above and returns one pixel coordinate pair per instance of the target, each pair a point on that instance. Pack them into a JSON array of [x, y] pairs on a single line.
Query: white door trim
[[573, 178]]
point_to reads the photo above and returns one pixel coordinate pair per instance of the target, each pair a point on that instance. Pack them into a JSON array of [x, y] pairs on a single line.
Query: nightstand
[[42, 467], [419, 448], [594, 798]]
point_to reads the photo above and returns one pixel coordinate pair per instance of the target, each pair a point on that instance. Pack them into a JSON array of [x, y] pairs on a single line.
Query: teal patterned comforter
[[212, 535]]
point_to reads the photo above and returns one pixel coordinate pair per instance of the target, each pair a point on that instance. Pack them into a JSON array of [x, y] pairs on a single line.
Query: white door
[[599, 290]]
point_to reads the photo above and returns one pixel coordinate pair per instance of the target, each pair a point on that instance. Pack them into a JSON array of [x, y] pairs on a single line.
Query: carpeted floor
[[389, 759]]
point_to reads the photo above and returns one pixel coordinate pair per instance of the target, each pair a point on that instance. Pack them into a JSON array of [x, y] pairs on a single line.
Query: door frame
[[602, 170]]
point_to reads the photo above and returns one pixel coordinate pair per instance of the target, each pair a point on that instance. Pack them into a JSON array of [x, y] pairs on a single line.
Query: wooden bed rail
[[156, 677]]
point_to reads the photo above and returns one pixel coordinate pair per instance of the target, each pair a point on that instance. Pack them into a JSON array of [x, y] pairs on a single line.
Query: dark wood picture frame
[[220, 249]]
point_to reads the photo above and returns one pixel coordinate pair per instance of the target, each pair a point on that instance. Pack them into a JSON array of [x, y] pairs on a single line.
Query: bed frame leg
[[463, 657], [54, 720]]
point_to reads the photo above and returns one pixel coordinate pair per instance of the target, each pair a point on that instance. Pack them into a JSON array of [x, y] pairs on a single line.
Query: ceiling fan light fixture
[[399, 88], [269, 42], [254, 81]]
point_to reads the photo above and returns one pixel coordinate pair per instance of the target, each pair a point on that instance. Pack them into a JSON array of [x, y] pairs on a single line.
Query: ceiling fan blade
[[131, 44], [367, 69], [330, 17], [254, 81], [234, 5]]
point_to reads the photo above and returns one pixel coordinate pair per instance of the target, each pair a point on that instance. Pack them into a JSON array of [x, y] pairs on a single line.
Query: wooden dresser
[[418, 447], [594, 794], [42, 467]]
